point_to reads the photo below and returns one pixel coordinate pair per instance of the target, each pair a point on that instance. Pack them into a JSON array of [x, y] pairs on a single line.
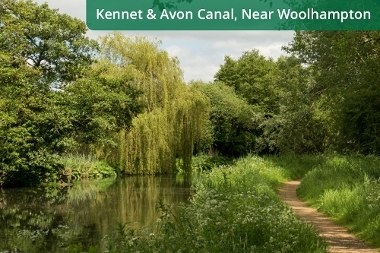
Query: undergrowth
[[78, 167], [347, 188]]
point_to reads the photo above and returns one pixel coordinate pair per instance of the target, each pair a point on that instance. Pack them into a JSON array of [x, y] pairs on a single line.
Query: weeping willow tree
[[174, 114], [154, 72]]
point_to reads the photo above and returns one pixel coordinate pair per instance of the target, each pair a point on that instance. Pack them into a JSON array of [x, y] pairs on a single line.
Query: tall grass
[[234, 209], [347, 188], [77, 167]]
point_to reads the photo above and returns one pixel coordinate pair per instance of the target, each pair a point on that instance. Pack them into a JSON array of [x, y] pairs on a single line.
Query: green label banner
[[233, 15]]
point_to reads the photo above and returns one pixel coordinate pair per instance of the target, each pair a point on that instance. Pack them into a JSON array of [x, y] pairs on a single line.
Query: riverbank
[[234, 209], [51, 219]]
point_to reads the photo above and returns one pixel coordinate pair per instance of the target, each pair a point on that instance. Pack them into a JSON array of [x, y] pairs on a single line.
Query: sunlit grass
[[347, 188], [79, 167]]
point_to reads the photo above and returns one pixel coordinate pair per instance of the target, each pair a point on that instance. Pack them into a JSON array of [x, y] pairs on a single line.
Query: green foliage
[[77, 248], [284, 114], [299, 127], [295, 166], [150, 68], [78, 167], [254, 78], [100, 104], [321, 98], [234, 132], [204, 162], [41, 37], [345, 68], [32, 132], [174, 114], [159, 137], [235, 209], [347, 189], [40, 49]]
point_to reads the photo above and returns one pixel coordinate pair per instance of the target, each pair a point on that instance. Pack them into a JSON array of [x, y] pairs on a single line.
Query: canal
[[50, 220]]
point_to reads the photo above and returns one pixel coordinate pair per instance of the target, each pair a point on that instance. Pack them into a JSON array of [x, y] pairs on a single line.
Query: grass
[[347, 188], [79, 167], [234, 209]]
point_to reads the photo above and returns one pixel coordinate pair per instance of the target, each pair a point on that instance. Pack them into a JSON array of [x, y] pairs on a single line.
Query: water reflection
[[49, 221]]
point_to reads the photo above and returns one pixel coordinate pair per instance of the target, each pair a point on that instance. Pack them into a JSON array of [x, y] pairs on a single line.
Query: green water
[[32, 220]]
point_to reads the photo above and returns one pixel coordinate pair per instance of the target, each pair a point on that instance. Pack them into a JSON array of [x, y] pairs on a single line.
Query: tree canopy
[[254, 77], [40, 49], [346, 71], [233, 130], [173, 116], [45, 39], [124, 98]]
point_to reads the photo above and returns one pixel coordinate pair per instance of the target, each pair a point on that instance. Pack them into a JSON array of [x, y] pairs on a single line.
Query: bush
[[234, 133], [204, 162], [35, 168]]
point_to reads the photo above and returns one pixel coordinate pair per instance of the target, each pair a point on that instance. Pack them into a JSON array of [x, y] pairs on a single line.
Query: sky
[[200, 52]]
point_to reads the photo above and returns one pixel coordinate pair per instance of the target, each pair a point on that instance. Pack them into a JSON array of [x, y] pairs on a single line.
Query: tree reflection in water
[[50, 220]]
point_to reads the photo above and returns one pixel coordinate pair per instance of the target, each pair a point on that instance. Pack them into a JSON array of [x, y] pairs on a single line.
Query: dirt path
[[337, 237]]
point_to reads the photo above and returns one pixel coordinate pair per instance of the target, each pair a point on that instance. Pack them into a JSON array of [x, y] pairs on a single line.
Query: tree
[[299, 126], [234, 132], [285, 114], [257, 80], [346, 69], [153, 71], [32, 127], [45, 39], [39, 48], [101, 104], [173, 115], [254, 78]]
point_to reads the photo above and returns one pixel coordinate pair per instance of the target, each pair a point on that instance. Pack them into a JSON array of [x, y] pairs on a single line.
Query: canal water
[[33, 220]]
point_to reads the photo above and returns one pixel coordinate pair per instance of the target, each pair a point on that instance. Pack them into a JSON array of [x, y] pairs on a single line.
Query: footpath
[[337, 237]]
